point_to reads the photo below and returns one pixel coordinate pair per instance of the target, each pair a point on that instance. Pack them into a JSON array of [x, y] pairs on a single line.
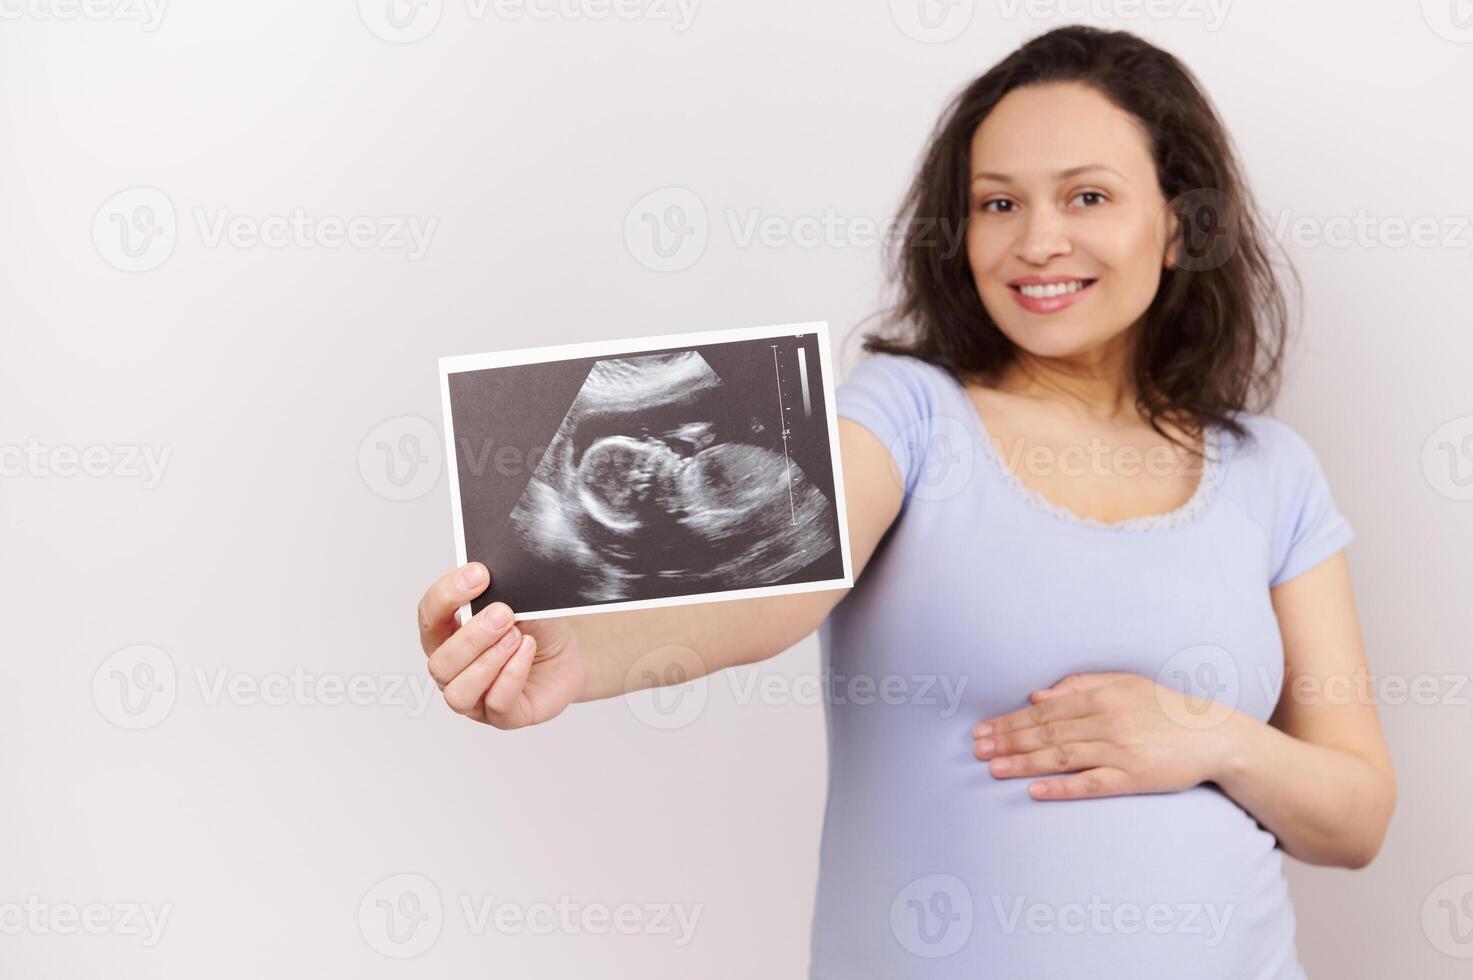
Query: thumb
[[1074, 683], [552, 634]]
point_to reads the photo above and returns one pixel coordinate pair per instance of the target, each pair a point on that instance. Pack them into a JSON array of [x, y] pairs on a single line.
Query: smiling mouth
[[1053, 289]]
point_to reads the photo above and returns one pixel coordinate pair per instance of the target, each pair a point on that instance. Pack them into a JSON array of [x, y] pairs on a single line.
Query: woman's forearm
[[1326, 805], [631, 650]]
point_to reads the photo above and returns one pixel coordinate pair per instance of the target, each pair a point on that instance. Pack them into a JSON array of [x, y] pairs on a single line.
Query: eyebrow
[[1061, 175]]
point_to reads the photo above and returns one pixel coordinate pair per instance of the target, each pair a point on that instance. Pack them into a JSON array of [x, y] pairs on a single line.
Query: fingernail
[[982, 729], [470, 575], [986, 745], [499, 615], [1002, 765]]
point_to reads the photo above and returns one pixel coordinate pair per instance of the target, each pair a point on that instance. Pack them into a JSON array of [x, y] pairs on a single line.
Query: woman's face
[[1064, 189]]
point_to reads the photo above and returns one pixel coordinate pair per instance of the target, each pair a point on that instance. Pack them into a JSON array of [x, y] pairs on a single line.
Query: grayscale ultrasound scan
[[688, 473]]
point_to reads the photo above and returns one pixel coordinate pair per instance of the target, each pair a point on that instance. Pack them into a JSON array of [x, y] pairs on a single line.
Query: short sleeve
[[887, 395], [1308, 528]]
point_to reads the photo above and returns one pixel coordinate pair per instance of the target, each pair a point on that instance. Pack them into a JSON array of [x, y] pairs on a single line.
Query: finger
[[1073, 705], [1104, 781], [504, 704], [1039, 737], [437, 621], [465, 692], [1064, 757], [1075, 683], [551, 694], [477, 636]]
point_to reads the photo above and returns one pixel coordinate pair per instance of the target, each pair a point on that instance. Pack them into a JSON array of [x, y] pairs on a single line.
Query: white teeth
[[1052, 289]]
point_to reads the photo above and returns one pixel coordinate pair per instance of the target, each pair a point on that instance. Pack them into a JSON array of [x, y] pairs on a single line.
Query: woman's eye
[[1095, 194], [987, 205]]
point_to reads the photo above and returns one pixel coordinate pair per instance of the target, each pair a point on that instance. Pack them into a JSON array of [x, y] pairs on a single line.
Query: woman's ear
[[1173, 229]]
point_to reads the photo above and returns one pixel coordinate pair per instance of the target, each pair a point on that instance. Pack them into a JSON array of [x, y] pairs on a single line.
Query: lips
[[1053, 302], [1018, 284]]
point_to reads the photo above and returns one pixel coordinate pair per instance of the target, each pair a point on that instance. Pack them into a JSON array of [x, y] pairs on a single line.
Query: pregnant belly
[[932, 867]]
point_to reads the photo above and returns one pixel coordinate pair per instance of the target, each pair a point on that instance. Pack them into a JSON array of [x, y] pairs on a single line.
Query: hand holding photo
[[648, 472]]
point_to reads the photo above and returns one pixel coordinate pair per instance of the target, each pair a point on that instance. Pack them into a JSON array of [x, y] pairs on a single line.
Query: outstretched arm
[[510, 675]]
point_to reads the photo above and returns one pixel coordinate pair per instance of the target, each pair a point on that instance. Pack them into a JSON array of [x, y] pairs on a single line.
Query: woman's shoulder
[[1284, 487], [906, 367], [911, 405], [1279, 471], [1271, 442], [907, 385]]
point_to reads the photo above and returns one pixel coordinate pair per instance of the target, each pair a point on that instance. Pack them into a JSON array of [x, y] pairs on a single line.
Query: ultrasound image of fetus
[[661, 472]]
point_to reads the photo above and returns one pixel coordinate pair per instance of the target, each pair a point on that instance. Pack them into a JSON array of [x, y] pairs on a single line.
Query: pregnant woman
[[1065, 508]]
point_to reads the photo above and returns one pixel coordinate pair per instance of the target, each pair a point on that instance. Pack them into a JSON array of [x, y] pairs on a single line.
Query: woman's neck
[[1098, 386]]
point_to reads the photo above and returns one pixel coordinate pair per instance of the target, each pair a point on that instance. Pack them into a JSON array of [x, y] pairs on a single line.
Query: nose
[[1044, 235]]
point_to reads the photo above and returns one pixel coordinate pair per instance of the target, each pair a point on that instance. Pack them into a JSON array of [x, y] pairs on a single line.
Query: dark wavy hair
[[1212, 341]]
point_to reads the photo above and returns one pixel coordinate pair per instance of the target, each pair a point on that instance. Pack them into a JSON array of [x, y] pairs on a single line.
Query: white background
[[269, 544]]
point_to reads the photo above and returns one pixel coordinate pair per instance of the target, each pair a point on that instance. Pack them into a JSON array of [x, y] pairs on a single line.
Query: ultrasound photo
[[649, 472]]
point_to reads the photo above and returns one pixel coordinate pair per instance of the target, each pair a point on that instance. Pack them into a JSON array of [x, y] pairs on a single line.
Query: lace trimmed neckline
[[1212, 474]]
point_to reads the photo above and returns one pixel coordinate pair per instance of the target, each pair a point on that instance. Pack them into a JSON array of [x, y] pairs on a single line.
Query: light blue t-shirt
[[982, 592]]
